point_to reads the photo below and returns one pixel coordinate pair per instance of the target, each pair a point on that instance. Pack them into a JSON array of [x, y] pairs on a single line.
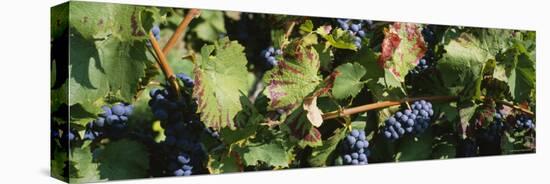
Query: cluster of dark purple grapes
[[494, 131], [524, 123], [429, 34], [156, 33], [428, 60], [355, 148], [112, 122], [420, 67], [270, 55], [414, 121], [356, 28], [182, 127], [183, 167], [187, 81]]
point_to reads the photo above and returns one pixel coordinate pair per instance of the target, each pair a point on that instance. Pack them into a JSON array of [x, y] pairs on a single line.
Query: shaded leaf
[[124, 159]]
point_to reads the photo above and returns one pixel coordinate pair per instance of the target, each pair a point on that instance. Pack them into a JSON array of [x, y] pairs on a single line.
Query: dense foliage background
[[267, 92]]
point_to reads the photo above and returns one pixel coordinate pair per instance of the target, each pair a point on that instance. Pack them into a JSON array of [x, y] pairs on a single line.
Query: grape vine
[[300, 92]]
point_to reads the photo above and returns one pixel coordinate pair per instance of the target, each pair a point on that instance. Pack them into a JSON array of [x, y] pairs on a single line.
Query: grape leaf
[[461, 66], [100, 20], [348, 83], [84, 165], [220, 83], [338, 38], [224, 163], [320, 155], [123, 159], [302, 130], [273, 154], [415, 148], [59, 20], [211, 26], [58, 166], [520, 70], [402, 47], [293, 78]]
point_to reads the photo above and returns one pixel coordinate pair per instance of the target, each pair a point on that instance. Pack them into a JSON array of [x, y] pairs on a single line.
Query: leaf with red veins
[[302, 130], [294, 78], [403, 46]]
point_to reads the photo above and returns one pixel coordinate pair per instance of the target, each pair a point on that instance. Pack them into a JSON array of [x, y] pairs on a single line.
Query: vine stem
[[382, 104], [512, 105], [179, 31], [166, 70], [289, 29]]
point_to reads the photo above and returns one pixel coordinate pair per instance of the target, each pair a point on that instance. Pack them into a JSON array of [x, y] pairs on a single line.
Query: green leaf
[[248, 120], [461, 67], [320, 155], [402, 47], [415, 148], [211, 26], [339, 38], [58, 165], [220, 83], [348, 83], [59, 20], [87, 170], [223, 164], [102, 20], [102, 67], [293, 78], [521, 75], [273, 154], [124, 159], [306, 27]]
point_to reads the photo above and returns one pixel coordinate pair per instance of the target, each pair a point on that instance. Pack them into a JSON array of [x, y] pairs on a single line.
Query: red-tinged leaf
[[294, 78], [402, 48], [302, 130]]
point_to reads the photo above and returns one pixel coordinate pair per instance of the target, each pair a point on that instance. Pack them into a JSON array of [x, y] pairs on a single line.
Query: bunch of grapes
[[187, 81], [112, 122], [355, 148], [524, 123], [270, 54], [414, 121], [420, 67], [356, 28], [182, 128], [183, 167]]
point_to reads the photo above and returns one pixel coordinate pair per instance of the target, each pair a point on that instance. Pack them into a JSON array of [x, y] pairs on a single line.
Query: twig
[[168, 73], [383, 104], [179, 31], [513, 106], [290, 28]]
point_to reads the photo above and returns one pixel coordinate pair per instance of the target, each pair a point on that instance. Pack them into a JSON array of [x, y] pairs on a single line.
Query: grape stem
[[384, 104], [166, 70], [512, 105], [290, 28], [179, 31]]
